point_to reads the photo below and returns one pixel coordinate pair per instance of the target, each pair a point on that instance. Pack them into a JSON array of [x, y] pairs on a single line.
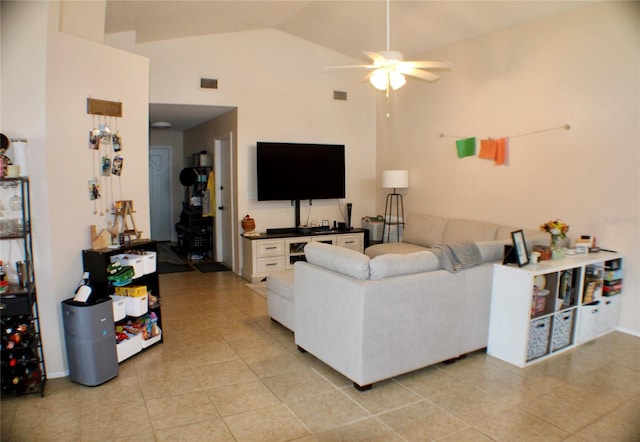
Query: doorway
[[159, 188], [224, 231]]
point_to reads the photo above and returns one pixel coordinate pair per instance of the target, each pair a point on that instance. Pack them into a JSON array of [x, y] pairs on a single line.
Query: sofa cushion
[[504, 232], [459, 230], [339, 259], [491, 251], [385, 266], [424, 230], [399, 248]]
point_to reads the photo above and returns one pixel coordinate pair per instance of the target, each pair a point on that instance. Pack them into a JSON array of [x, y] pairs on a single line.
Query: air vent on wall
[[340, 95], [209, 83]]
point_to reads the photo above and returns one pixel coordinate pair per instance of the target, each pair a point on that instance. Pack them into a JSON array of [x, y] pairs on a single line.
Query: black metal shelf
[[23, 367]]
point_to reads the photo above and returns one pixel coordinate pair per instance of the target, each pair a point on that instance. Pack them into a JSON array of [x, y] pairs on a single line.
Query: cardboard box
[[131, 290]]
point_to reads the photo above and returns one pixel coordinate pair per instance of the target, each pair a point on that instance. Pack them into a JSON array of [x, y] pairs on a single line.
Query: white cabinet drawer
[[351, 242], [272, 264], [269, 248]]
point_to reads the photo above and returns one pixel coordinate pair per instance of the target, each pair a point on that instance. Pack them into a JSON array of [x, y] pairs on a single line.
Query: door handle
[[221, 208]]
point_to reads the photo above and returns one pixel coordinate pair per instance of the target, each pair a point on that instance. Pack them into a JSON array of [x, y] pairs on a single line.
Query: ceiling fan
[[389, 68]]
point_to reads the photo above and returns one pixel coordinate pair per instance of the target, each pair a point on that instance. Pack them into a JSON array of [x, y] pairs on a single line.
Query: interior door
[[160, 192], [224, 200]]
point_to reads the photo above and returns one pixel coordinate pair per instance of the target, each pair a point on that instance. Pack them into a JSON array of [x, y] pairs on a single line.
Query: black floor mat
[[169, 267], [208, 267]]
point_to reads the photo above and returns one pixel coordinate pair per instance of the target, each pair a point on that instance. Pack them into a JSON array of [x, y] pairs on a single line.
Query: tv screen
[[299, 171]]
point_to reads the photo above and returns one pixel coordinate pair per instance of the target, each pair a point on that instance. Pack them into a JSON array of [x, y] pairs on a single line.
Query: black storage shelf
[[96, 262], [22, 355]]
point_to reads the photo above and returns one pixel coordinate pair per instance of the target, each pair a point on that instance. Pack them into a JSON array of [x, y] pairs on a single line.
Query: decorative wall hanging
[[495, 149], [106, 144]]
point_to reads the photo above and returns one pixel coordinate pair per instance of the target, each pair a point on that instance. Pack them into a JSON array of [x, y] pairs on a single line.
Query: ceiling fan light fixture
[[397, 80], [381, 79]]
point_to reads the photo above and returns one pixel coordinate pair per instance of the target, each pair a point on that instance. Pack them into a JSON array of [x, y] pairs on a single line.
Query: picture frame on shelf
[[520, 246]]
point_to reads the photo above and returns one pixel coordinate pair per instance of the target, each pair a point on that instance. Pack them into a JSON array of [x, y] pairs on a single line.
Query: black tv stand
[[281, 230]]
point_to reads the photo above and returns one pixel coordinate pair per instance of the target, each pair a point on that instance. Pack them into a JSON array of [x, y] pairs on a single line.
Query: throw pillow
[[385, 266], [339, 259]]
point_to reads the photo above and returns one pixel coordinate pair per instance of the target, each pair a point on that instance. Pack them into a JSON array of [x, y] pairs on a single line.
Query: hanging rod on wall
[[564, 126]]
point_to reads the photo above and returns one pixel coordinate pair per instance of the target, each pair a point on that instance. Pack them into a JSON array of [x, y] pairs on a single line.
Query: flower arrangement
[[556, 228]]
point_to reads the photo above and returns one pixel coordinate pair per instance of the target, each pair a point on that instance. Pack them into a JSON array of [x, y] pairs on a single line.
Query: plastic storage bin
[[135, 261], [149, 342], [129, 347], [119, 310], [134, 305], [375, 227], [149, 259]]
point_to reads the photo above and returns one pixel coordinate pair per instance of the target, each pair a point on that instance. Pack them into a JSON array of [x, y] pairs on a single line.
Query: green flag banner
[[466, 147]]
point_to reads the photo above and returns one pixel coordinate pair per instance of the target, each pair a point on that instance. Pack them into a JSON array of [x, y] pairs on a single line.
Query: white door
[[224, 200], [160, 192]]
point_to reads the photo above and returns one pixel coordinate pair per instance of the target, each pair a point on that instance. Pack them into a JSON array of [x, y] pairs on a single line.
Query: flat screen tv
[[300, 171]]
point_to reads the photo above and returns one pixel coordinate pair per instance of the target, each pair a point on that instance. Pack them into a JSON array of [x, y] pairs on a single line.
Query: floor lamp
[[394, 207]]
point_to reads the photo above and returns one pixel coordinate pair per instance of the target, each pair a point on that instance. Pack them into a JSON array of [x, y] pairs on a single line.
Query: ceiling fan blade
[[423, 75], [374, 56], [430, 64], [349, 67]]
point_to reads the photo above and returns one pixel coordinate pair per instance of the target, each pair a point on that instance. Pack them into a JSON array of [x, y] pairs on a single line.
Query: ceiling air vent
[[209, 83]]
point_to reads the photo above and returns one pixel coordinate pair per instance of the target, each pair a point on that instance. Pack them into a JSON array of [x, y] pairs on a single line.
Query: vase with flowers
[[558, 230]]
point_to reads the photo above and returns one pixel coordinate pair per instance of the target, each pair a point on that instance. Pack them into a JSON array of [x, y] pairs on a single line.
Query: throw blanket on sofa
[[457, 256]]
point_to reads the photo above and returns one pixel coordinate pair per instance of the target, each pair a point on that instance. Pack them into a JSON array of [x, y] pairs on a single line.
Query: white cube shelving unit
[[542, 309]]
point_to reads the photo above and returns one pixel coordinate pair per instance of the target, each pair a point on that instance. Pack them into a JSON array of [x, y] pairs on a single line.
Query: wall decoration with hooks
[[106, 145]]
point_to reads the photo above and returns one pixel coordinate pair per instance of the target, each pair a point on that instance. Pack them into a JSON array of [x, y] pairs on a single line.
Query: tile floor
[[226, 372]]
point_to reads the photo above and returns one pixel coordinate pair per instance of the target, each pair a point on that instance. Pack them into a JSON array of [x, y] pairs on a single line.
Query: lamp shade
[[396, 179]]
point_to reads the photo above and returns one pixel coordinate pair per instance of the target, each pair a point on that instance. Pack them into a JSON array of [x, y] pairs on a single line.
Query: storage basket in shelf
[[134, 305], [562, 330], [135, 261], [149, 342], [119, 308], [129, 347], [538, 338], [150, 259]]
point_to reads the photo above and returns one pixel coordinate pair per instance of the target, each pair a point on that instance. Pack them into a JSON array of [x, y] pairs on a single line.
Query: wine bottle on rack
[[3, 274]]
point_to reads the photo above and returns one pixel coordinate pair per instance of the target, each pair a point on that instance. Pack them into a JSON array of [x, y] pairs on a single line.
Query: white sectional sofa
[[394, 310]]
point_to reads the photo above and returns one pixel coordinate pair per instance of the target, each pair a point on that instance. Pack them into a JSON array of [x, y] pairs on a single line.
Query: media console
[[265, 253]]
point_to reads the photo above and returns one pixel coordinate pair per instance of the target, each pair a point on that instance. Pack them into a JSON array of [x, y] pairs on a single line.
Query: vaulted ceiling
[[346, 26]]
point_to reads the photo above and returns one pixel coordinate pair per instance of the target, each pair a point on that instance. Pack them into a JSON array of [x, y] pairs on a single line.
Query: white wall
[[580, 68], [46, 82], [276, 82]]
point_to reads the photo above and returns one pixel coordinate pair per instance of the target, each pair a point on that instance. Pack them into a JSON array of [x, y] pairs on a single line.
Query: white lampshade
[[395, 179]]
